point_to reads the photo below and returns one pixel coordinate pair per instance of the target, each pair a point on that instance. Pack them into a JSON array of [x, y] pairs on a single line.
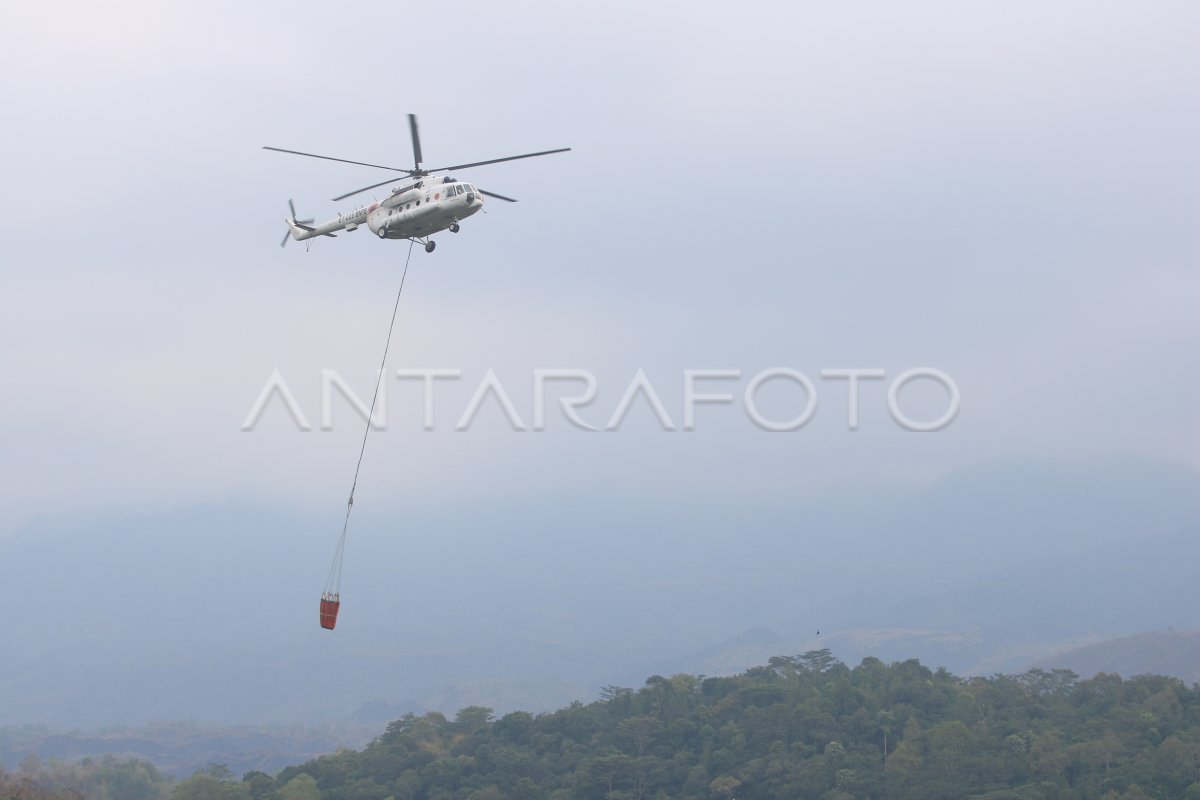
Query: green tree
[[817, 660], [259, 783], [908, 759], [946, 743], [203, 786], [608, 769], [724, 785], [640, 731], [301, 787], [472, 719], [1047, 757]]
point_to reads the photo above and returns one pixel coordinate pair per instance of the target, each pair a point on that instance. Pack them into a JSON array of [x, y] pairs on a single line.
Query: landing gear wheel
[[454, 227], [429, 246], [382, 233]]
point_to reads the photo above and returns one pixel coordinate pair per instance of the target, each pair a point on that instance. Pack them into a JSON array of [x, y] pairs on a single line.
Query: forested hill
[[800, 727], [803, 727]]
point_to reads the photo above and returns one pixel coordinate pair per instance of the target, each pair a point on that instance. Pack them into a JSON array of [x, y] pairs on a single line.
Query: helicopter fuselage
[[414, 211]]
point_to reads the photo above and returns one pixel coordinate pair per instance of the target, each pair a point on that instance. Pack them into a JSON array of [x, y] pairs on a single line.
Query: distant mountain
[[209, 614], [1171, 652], [181, 749]]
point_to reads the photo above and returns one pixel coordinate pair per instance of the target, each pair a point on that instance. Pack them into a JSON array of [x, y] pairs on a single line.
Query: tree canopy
[[803, 726]]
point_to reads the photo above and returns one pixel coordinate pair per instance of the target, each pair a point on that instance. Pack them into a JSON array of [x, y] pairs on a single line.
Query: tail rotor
[[293, 223]]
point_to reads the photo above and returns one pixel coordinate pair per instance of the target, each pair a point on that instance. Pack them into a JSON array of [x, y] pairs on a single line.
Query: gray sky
[[1004, 191]]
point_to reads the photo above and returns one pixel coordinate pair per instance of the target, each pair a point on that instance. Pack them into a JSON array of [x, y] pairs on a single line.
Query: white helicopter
[[414, 211]]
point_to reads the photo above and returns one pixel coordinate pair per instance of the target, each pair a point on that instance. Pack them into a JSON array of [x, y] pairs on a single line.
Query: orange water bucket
[[329, 610]]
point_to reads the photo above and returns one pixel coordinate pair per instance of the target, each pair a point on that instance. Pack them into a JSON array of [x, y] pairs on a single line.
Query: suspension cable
[[333, 583]]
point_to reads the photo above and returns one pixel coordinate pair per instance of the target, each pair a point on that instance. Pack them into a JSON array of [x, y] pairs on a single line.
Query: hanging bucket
[[329, 610]]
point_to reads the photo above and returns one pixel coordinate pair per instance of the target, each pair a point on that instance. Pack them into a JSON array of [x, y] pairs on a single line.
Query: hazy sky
[[1005, 191]]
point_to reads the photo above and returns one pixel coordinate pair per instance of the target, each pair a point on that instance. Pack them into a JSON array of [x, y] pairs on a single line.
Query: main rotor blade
[[286, 236], [497, 160], [292, 207], [416, 140], [365, 188], [343, 160], [497, 196]]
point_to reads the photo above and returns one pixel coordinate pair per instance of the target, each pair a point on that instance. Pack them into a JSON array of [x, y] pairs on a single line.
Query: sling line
[[331, 596]]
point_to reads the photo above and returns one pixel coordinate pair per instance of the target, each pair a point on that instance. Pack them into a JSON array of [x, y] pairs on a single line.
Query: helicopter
[[413, 211]]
